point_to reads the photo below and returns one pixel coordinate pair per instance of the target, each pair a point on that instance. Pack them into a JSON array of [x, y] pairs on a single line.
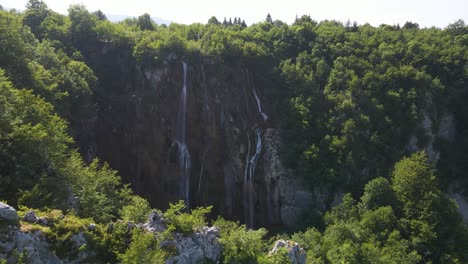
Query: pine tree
[[269, 19]]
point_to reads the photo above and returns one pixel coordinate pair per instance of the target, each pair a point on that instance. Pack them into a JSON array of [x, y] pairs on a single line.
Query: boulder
[[42, 221], [30, 217], [296, 254], [7, 213]]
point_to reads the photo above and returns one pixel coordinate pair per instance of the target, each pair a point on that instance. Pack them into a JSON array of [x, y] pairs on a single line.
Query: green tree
[[36, 12], [82, 26], [145, 22], [213, 21]]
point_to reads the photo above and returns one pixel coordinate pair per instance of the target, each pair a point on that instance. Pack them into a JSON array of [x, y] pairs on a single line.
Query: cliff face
[[201, 131], [193, 132]]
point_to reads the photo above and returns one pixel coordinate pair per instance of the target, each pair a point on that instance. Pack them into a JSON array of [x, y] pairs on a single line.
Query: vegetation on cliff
[[349, 100]]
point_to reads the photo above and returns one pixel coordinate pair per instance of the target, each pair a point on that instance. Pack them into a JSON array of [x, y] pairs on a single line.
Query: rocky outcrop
[[7, 213], [201, 246], [193, 248], [15, 244], [296, 254], [156, 222], [445, 131]]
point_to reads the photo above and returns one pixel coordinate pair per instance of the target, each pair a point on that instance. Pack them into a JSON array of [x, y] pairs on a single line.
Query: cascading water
[[206, 106], [200, 178], [246, 174], [265, 117], [253, 163], [183, 153]]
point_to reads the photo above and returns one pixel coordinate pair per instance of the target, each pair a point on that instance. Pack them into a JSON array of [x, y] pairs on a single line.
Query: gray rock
[[156, 222], [78, 239], [7, 213], [461, 200], [92, 227], [30, 217], [36, 248], [200, 246], [296, 254], [303, 199], [447, 128], [42, 221]]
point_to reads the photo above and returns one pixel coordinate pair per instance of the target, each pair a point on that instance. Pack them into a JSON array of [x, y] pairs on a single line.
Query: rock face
[[461, 200], [139, 109], [296, 254], [201, 246], [7, 213], [286, 198]]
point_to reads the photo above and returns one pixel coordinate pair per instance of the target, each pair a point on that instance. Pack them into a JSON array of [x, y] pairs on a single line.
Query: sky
[[426, 13]]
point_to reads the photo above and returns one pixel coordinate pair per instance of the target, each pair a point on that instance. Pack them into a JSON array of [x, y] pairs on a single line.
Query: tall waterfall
[[265, 117], [253, 163], [183, 153], [250, 164], [246, 177]]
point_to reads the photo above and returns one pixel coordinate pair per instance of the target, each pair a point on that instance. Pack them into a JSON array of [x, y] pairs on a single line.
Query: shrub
[[137, 211], [185, 223]]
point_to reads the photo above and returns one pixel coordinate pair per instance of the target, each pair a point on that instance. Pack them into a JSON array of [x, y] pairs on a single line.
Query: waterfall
[[206, 107], [246, 173], [250, 164], [201, 175], [183, 153], [265, 117]]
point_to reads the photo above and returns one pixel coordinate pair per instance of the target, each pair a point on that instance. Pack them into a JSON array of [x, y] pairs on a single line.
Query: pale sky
[[425, 12]]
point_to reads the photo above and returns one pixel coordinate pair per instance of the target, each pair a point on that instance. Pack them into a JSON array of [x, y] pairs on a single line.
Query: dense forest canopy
[[348, 98]]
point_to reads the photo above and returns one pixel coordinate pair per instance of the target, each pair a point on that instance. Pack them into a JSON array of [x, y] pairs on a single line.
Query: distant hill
[[113, 17], [117, 18]]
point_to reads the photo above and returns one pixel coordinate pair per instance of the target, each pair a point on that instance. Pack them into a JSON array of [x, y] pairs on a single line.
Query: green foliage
[[280, 257], [142, 249], [183, 222], [415, 186], [136, 211], [349, 99], [239, 244], [377, 192], [98, 189]]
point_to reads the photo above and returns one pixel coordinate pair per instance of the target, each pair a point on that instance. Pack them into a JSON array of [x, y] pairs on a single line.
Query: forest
[[375, 115]]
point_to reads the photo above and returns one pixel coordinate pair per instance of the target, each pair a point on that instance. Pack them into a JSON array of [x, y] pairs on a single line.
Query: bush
[[185, 223], [143, 249], [137, 211], [239, 244]]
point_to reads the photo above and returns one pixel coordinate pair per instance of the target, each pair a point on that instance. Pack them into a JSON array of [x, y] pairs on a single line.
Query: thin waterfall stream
[[180, 141], [253, 163]]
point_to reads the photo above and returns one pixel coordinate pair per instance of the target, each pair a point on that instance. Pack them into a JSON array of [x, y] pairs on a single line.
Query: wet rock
[[296, 254]]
